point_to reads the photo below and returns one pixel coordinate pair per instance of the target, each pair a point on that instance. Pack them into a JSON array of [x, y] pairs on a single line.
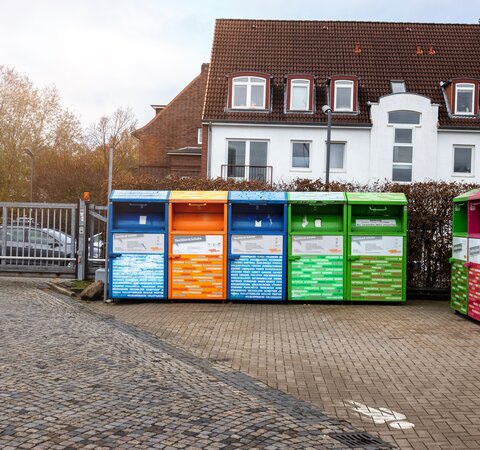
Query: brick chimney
[[158, 108]]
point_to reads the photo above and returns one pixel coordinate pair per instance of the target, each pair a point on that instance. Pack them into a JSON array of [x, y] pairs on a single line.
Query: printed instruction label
[[138, 243], [257, 244], [459, 248], [375, 222], [377, 246], [474, 250], [317, 245], [198, 245]]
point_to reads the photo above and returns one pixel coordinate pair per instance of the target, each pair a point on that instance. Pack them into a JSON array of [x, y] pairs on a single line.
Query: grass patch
[[78, 285]]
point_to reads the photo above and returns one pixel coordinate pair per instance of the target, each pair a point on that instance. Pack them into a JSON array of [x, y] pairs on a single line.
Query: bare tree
[[115, 131], [34, 119]]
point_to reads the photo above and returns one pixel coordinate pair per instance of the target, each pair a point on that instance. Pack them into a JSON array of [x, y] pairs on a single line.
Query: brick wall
[[176, 126], [185, 165]]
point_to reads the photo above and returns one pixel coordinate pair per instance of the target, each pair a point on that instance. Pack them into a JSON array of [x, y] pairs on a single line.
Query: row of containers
[[300, 246], [465, 260]]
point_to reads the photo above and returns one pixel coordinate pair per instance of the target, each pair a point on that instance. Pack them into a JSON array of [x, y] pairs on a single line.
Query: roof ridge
[[473, 24]]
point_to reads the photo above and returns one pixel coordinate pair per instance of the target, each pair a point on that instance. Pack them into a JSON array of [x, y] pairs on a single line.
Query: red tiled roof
[[327, 48]]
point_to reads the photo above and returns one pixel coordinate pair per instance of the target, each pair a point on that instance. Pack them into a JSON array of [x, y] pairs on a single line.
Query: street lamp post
[[328, 111], [32, 164], [107, 237]]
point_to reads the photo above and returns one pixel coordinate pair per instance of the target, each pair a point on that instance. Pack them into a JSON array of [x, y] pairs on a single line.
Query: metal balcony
[[247, 173]]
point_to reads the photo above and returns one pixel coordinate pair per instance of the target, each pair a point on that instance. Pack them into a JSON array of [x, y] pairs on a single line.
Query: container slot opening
[[317, 218], [139, 216], [460, 217], [257, 217], [198, 217], [473, 217], [377, 218]]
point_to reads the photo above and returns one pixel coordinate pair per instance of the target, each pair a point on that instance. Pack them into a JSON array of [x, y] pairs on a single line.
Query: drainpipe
[[209, 150]]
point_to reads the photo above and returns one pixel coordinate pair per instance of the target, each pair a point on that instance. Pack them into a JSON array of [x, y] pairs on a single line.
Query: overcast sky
[[103, 54]]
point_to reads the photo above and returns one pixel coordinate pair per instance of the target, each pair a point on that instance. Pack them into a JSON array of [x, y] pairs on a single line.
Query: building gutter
[[289, 125], [459, 129]]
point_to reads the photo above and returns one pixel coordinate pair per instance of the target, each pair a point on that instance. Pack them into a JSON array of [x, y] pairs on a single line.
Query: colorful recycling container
[[473, 264], [377, 239], [317, 224], [137, 245], [257, 235], [197, 245], [459, 259]]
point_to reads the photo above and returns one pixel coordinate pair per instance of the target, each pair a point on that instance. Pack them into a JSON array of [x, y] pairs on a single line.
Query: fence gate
[[96, 232], [38, 238]]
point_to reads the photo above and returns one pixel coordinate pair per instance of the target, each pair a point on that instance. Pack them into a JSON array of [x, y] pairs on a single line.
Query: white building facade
[[401, 152]]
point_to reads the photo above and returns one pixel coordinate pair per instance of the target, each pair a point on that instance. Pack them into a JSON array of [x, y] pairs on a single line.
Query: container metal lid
[[473, 194], [193, 196], [397, 198], [257, 196], [123, 195], [324, 197]]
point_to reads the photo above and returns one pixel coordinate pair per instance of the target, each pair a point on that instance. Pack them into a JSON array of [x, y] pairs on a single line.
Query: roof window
[[398, 86]]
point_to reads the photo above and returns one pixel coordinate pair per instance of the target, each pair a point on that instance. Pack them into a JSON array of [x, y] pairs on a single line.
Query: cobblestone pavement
[[420, 359], [73, 378]]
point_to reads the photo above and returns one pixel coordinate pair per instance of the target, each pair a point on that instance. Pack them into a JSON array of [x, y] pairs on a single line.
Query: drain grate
[[360, 440]]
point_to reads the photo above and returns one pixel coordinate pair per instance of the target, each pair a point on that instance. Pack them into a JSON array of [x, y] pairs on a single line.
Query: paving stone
[[106, 384], [419, 359]]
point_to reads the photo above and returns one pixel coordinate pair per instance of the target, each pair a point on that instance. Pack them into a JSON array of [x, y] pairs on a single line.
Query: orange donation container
[[197, 243]]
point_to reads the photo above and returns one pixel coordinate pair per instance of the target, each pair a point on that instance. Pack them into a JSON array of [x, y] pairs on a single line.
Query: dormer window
[[249, 91], [299, 93], [464, 98], [343, 89], [461, 96]]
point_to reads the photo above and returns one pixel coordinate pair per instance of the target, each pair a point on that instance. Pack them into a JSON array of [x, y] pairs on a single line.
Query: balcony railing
[[247, 173]]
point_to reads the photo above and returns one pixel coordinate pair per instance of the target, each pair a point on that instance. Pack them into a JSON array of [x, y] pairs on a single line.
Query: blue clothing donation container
[[137, 244], [257, 238]]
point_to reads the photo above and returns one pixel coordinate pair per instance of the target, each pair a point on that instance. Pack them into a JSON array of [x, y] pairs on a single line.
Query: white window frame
[[307, 86], [472, 161], [404, 144], [199, 135], [404, 125], [470, 87], [247, 151], [301, 169], [352, 88], [249, 83], [344, 168]]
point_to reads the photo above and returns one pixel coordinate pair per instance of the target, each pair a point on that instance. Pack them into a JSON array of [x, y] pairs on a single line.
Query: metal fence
[[38, 237]]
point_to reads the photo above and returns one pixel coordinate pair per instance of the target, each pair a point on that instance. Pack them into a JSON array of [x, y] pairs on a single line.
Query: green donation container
[[459, 259], [377, 243], [317, 223]]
